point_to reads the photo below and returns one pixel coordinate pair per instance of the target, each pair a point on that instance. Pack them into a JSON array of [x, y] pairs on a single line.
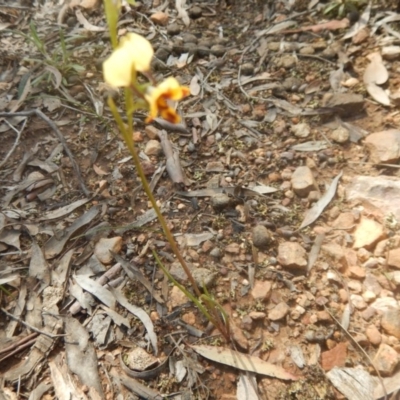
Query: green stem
[[128, 137]]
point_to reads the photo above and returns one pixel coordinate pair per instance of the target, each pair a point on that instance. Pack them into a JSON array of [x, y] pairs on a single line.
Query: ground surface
[[318, 304]]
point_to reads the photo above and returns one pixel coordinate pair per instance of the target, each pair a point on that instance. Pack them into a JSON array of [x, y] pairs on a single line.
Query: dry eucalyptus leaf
[[243, 362], [247, 387], [378, 94], [194, 86], [86, 24], [315, 211], [360, 24], [354, 383], [182, 13], [81, 355], [375, 72]]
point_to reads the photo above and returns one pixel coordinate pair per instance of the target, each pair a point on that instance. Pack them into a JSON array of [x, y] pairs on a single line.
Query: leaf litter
[[58, 151]]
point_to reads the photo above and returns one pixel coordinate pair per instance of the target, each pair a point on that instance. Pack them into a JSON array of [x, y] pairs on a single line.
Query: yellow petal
[[139, 51], [171, 89], [117, 72], [133, 52]]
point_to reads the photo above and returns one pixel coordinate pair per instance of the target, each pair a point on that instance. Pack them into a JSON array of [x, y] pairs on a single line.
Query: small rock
[[386, 360], [292, 255], [361, 339], [278, 312], [247, 323], [345, 104], [195, 12], [137, 136], [153, 148], [238, 337], [372, 284], [395, 276], [176, 298], [151, 131], [232, 248], [216, 252], [297, 312], [334, 251], [373, 335], [357, 272], [391, 322], [355, 286], [261, 237], [204, 277], [291, 84], [391, 52], [384, 147], [104, 246], [320, 45], [160, 18], [163, 53], [273, 46], [369, 296], [261, 290], [394, 258], [307, 50], [247, 69], [148, 167], [368, 313], [340, 135], [189, 318], [202, 50], [383, 246], [385, 304], [301, 130], [335, 357], [189, 38], [344, 297], [220, 201], [218, 50], [367, 233], [358, 302], [383, 192], [257, 315], [323, 316], [139, 360], [344, 221], [287, 61], [303, 181], [173, 29]]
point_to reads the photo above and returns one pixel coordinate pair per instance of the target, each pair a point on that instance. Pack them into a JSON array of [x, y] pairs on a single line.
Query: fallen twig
[[19, 133], [60, 137], [50, 335]]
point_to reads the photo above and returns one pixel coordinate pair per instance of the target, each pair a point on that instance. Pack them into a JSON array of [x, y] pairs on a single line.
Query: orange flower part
[[158, 97]]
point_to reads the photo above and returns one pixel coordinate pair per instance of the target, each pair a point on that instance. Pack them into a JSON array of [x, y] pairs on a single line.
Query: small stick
[[20, 342], [19, 133], [50, 335], [60, 137], [20, 348]]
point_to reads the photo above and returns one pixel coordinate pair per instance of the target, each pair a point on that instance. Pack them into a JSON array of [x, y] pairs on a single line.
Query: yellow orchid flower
[[158, 97], [134, 52]]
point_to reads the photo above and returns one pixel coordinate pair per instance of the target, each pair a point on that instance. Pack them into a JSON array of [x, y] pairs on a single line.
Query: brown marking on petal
[[170, 115]]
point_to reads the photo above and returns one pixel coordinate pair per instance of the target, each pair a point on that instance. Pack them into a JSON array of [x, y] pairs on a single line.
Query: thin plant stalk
[[128, 137]]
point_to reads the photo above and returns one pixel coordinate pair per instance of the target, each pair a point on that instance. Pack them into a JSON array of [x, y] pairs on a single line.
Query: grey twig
[[19, 133], [50, 335]]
